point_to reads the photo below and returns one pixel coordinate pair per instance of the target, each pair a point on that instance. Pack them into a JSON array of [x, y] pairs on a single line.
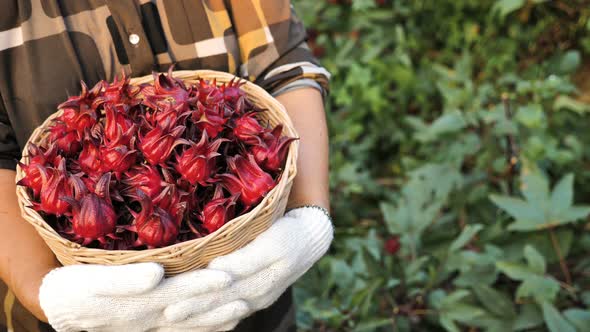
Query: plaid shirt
[[48, 46]]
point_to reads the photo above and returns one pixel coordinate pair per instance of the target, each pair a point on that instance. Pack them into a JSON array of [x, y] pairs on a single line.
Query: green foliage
[[542, 209], [456, 129]]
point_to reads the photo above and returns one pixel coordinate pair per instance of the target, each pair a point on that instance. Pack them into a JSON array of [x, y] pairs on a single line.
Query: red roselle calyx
[[218, 211], [392, 245], [209, 119], [159, 142], [38, 157], [155, 227], [231, 91], [197, 163], [77, 114], [78, 120], [166, 88], [272, 151], [66, 140], [145, 178], [116, 93], [118, 157], [248, 129], [248, 180], [168, 115], [89, 159], [56, 184], [118, 126], [93, 215]]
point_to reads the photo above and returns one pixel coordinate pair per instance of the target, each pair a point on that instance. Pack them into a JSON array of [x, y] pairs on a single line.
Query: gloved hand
[[131, 298], [262, 270]]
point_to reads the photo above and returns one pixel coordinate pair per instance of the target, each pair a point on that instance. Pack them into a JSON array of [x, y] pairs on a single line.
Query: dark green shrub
[[455, 132]]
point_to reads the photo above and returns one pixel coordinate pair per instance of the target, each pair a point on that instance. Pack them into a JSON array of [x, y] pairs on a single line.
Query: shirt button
[[134, 39]]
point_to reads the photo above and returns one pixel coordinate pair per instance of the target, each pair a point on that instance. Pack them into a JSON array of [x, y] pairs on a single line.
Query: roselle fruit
[[145, 178], [116, 93], [56, 184], [158, 143], [166, 89], [156, 227], [93, 215], [65, 139], [78, 115], [248, 180], [118, 126], [272, 150], [168, 115], [231, 91], [197, 163], [38, 157], [218, 211], [134, 167], [90, 158], [248, 129], [210, 119], [118, 157], [392, 245]]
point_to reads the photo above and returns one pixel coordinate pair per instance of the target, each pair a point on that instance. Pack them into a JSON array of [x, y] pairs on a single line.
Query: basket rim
[[284, 179]]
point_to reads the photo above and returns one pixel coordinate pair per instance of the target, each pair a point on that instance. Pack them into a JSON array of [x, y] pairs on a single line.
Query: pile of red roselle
[[135, 167]]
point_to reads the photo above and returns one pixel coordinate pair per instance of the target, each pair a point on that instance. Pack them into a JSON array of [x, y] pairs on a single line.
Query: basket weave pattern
[[189, 255]]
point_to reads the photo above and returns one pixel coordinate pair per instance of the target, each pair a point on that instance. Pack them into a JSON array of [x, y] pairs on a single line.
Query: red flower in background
[[392, 245]]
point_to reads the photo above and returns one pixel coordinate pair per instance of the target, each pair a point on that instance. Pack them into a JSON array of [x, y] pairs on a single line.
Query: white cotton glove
[[130, 298], [262, 270]]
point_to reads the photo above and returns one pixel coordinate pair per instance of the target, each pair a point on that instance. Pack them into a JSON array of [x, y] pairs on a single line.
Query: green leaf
[[570, 61], [515, 271], [443, 178], [447, 123], [363, 4], [448, 324], [527, 216], [463, 312], [563, 102], [466, 235], [542, 210], [562, 196], [529, 317], [554, 320], [579, 318], [572, 214], [413, 270], [341, 273], [373, 324], [452, 309], [534, 284], [535, 188], [535, 260], [454, 297], [539, 288], [496, 302], [505, 7], [531, 116]]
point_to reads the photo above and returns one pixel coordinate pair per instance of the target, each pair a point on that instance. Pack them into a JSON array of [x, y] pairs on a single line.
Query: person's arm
[[24, 257], [273, 261], [306, 109]]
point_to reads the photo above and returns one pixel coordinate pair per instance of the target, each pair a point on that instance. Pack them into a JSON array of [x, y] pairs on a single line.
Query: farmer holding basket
[[46, 48]]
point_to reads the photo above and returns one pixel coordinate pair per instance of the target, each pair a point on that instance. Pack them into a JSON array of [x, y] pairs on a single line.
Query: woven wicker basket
[[192, 254]]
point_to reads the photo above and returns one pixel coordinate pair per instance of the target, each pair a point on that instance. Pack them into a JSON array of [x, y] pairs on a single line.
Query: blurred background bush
[[460, 133]]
